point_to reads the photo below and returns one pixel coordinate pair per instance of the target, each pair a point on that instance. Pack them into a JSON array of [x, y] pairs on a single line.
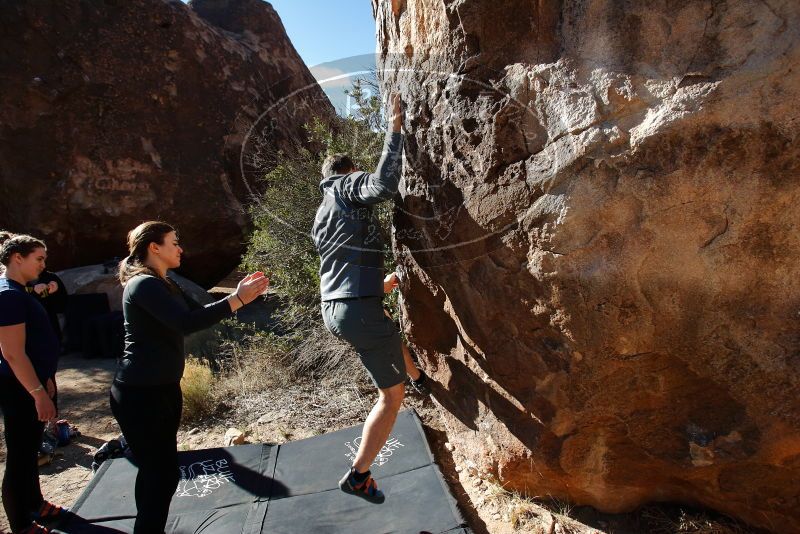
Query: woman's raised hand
[[251, 286], [397, 114]]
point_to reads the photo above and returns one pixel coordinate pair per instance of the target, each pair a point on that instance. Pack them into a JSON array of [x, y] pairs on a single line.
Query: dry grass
[[544, 515], [318, 384], [526, 514], [199, 398], [659, 521]]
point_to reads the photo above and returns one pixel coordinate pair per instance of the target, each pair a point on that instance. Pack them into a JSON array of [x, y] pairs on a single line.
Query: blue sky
[[328, 30], [335, 38]]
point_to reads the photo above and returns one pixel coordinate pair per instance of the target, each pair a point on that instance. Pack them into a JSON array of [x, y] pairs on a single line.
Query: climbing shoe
[[49, 512], [361, 485]]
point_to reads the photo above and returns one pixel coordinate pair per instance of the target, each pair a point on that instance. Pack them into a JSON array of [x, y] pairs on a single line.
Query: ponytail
[[130, 266]]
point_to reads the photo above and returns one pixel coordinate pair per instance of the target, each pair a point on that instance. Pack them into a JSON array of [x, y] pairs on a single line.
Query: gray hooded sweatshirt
[[346, 230]]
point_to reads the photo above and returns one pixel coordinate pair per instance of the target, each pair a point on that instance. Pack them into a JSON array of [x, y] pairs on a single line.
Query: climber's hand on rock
[[390, 282], [397, 112]]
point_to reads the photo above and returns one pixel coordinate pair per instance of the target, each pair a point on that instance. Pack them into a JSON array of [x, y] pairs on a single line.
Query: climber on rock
[[347, 236]]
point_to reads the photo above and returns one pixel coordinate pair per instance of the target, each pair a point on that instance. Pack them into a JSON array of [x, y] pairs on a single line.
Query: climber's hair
[[337, 164]]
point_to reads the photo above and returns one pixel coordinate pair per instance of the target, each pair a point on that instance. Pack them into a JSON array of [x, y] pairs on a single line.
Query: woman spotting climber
[[146, 396]]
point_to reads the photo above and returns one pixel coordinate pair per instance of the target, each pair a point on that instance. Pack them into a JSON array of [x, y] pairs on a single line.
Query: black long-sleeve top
[[157, 317]]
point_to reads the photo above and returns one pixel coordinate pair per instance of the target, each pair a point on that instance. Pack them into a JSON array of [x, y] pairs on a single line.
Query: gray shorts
[[362, 323]]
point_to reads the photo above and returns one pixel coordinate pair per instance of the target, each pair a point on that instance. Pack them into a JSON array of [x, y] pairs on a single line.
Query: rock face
[[112, 113], [599, 227]]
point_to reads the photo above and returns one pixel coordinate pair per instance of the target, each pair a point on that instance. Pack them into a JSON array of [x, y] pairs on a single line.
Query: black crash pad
[[285, 489]]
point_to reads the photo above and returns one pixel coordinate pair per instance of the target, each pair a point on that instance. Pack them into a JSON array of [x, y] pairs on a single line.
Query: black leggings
[[149, 418], [22, 495]]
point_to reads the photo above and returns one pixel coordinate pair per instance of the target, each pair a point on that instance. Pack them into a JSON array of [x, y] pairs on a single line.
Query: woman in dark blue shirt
[[146, 396], [29, 351]]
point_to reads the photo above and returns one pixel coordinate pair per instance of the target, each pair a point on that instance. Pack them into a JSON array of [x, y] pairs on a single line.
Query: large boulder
[[112, 113], [599, 228]]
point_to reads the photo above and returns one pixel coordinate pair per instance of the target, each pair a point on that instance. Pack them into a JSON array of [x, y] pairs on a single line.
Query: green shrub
[[283, 215]]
